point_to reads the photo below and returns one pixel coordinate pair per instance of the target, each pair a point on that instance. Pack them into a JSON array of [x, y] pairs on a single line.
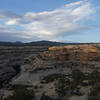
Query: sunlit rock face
[[79, 52]]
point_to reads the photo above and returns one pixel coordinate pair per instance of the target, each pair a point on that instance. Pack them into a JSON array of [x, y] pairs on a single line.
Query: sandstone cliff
[[43, 70]]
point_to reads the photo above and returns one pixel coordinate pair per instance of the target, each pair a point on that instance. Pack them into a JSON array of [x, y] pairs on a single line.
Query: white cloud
[[56, 23], [12, 22], [59, 22]]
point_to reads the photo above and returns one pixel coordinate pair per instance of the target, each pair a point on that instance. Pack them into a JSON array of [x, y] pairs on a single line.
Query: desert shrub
[[51, 78], [94, 77], [39, 69], [85, 83], [36, 87], [66, 88], [94, 74], [21, 93], [18, 87], [45, 97], [93, 98], [95, 92], [27, 61], [62, 88], [94, 80], [78, 76]]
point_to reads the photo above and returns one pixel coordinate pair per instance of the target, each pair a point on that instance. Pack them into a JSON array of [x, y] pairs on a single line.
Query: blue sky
[[57, 20], [23, 6]]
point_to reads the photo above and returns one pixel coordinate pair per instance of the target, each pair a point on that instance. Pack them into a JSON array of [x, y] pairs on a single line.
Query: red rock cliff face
[[79, 52]]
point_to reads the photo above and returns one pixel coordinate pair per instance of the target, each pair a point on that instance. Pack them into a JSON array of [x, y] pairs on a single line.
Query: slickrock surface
[[58, 61]]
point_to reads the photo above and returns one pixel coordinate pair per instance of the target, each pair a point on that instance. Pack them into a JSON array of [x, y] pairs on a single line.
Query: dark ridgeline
[[35, 43]]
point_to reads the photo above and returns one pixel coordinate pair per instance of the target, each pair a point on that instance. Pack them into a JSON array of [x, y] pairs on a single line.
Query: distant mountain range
[[45, 43], [40, 43], [35, 43]]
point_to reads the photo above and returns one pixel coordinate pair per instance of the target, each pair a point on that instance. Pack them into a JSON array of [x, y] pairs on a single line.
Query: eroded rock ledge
[[58, 61]]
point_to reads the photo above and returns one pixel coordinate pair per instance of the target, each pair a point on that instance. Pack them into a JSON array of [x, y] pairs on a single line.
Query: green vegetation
[[66, 87], [39, 69], [45, 97], [22, 93], [95, 92], [51, 78], [77, 75], [62, 87], [94, 77], [94, 81]]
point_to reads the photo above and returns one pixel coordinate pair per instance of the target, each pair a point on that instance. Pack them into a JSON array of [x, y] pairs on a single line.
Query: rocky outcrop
[[55, 62], [59, 60], [78, 53], [12, 57]]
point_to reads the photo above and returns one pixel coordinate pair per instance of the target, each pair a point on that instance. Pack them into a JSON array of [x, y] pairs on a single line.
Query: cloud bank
[[50, 25]]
